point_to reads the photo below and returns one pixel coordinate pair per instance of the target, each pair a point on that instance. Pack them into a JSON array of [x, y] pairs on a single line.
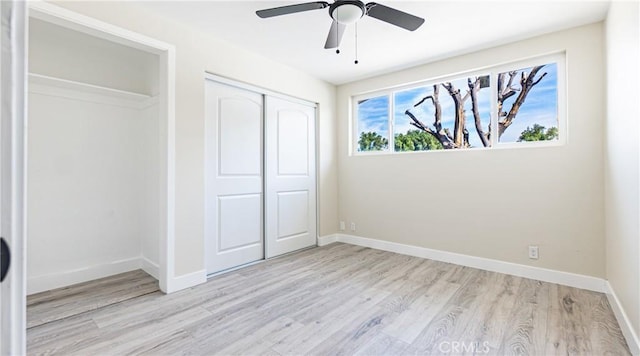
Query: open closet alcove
[[99, 181]]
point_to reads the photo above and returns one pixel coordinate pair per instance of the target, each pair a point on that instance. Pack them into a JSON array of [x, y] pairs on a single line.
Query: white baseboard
[[329, 239], [633, 341], [186, 281], [541, 274], [47, 282], [150, 267]]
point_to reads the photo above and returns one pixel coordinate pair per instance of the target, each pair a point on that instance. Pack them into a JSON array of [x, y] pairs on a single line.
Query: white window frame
[[557, 58], [354, 122]]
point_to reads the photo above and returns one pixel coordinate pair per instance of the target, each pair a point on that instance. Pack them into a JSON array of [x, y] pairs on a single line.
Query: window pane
[[409, 137], [528, 104], [450, 115], [373, 124]]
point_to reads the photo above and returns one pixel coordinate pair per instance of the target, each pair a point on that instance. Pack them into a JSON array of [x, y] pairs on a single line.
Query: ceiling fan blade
[[394, 17], [335, 35], [291, 9]]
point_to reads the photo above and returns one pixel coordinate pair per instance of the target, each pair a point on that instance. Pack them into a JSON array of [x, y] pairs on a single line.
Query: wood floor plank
[[573, 315], [383, 345], [454, 317], [139, 337], [525, 325], [489, 313], [333, 321], [410, 324], [55, 337], [263, 339], [333, 300], [179, 343], [80, 298], [605, 335]]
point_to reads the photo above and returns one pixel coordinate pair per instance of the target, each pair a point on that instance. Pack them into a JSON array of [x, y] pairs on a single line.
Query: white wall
[[622, 158], [53, 52], [196, 53], [491, 203], [86, 197]]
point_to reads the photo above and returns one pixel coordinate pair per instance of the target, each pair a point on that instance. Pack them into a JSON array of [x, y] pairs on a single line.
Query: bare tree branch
[[459, 123], [527, 82], [443, 136], [539, 79], [512, 75], [505, 91], [474, 87], [417, 123], [437, 123], [465, 135], [423, 100], [466, 96], [435, 100]]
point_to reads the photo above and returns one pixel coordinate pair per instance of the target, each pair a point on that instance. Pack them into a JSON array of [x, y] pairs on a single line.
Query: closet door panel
[[293, 212], [234, 200], [240, 137], [290, 182], [232, 235], [293, 143]]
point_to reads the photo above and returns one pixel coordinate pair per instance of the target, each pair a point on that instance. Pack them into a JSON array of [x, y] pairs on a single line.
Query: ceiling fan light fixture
[[347, 12]]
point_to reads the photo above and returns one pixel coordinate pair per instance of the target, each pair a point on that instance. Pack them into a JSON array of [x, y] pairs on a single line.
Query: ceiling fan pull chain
[[356, 61], [337, 30]]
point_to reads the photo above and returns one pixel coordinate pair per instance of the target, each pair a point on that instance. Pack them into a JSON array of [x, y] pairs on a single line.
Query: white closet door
[[290, 176], [234, 204]]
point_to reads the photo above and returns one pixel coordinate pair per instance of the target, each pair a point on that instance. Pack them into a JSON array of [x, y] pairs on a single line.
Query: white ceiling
[[451, 28]]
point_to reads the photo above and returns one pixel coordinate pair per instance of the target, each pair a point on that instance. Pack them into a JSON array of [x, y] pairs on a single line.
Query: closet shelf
[[57, 87], [84, 87]]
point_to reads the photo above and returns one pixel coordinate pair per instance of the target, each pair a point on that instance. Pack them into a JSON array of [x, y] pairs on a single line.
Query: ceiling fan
[[345, 12]]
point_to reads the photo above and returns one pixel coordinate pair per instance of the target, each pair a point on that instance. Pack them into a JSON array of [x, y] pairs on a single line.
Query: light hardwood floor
[[62, 303], [340, 300]]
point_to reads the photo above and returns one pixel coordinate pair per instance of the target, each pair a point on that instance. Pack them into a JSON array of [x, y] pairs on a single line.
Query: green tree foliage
[[416, 140], [539, 133], [372, 141]]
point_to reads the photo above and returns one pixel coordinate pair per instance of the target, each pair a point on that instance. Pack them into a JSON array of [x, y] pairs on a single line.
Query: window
[[435, 116], [504, 106]]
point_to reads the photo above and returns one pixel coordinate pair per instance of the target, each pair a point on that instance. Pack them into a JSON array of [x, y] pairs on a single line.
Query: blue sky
[[373, 115], [539, 107]]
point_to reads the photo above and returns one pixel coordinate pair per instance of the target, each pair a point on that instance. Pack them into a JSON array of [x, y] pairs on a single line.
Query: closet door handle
[[5, 259]]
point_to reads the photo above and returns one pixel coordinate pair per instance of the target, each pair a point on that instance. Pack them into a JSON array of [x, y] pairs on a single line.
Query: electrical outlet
[[353, 226], [342, 226], [533, 252]]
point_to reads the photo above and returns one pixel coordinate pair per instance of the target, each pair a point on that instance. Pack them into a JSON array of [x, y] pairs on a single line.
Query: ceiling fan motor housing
[[347, 11]]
